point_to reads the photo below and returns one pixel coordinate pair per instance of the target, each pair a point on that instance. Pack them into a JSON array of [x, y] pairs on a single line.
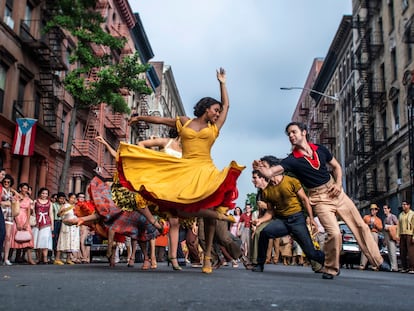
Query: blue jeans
[[294, 225]]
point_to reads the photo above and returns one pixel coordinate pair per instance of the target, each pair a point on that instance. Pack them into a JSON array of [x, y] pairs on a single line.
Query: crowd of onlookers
[[394, 234], [33, 230], [48, 239]]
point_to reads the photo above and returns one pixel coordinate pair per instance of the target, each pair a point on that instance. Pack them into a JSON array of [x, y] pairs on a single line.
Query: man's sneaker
[[258, 268], [384, 267]]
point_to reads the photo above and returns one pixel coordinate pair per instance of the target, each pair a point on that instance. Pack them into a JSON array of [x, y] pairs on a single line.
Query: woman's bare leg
[[131, 258], [209, 213], [7, 243], [146, 265], [209, 229], [110, 252], [153, 257], [173, 241]]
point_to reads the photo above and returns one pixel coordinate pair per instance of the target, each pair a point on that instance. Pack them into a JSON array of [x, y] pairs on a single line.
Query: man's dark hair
[[271, 160], [258, 173], [61, 195], [300, 125]]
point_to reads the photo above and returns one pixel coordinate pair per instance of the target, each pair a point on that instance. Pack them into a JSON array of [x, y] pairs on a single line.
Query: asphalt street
[[98, 287]]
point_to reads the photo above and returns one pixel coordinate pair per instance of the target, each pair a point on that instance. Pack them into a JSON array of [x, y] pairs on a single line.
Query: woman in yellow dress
[[191, 185]]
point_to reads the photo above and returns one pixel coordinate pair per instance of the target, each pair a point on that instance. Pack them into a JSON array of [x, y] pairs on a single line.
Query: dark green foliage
[[80, 19]]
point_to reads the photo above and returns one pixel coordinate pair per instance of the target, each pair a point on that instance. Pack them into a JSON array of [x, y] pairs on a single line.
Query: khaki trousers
[[327, 209], [364, 259], [274, 244]]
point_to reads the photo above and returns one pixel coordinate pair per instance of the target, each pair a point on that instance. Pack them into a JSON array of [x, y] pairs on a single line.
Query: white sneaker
[[7, 263]]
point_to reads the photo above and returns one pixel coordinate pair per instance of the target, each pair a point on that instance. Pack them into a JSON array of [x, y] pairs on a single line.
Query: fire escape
[[370, 97], [141, 127], [47, 50], [408, 81], [326, 108]]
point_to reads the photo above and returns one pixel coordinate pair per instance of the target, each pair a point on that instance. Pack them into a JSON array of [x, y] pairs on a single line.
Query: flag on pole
[[24, 137]]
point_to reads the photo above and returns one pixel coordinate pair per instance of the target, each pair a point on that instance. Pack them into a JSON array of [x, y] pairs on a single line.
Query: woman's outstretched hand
[[132, 120], [221, 75]]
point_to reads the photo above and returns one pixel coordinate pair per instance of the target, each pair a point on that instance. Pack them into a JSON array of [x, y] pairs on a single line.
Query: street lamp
[[340, 123], [310, 90]]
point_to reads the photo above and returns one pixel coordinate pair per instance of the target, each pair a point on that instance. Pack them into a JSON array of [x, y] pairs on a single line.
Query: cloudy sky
[[262, 44]]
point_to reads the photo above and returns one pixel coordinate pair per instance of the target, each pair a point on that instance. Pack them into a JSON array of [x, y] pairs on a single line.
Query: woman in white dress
[[69, 237]]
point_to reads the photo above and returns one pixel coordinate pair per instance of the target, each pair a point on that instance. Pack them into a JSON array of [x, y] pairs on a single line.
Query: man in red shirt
[[245, 223]]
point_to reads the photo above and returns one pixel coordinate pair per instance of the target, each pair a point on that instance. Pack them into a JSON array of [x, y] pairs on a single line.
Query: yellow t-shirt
[[283, 197]]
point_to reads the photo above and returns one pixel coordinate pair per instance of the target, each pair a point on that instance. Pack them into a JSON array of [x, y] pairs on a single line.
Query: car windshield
[[345, 229]]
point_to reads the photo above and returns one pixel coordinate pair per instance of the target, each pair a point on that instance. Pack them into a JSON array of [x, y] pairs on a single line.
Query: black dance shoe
[[258, 268]]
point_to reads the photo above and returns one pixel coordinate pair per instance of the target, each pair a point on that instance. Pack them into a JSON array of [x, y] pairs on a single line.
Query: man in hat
[[375, 225]]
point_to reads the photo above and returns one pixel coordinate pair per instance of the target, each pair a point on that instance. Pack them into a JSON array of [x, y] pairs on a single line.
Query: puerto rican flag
[[24, 137]]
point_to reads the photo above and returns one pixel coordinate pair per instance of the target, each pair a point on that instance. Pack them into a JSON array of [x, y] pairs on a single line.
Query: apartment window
[[62, 129], [8, 10], [37, 105], [399, 166], [18, 104], [394, 64], [391, 14], [396, 112], [375, 180], [3, 73], [387, 174], [409, 53], [364, 185], [404, 5], [384, 125], [382, 72], [28, 15]]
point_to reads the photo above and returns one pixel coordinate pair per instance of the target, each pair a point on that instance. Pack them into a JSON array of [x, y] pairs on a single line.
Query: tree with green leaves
[[251, 199], [84, 23]]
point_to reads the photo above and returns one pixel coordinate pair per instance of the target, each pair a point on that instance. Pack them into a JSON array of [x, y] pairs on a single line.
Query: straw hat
[[373, 206]]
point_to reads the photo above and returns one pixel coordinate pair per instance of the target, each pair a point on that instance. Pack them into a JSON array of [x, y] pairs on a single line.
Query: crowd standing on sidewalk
[[54, 229]]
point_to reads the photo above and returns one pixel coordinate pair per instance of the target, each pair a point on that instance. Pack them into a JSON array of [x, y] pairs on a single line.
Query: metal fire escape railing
[[370, 93], [47, 50]]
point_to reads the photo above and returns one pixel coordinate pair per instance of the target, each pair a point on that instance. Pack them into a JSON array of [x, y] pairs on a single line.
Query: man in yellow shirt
[[405, 234], [284, 197]]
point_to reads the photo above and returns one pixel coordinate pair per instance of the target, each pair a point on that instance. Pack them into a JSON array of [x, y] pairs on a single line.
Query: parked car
[[99, 246], [384, 254], [350, 253]]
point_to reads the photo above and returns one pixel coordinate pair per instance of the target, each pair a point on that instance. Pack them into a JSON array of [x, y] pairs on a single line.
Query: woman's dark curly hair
[[10, 178], [172, 133], [203, 104]]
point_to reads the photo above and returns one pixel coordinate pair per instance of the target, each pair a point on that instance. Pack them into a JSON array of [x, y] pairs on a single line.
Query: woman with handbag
[[9, 196], [22, 224]]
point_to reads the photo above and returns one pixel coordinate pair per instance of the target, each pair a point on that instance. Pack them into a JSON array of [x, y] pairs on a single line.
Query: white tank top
[[171, 151]]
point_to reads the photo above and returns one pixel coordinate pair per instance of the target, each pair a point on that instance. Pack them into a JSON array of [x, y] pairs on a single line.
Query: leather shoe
[[384, 267], [327, 276], [258, 268], [246, 263]]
